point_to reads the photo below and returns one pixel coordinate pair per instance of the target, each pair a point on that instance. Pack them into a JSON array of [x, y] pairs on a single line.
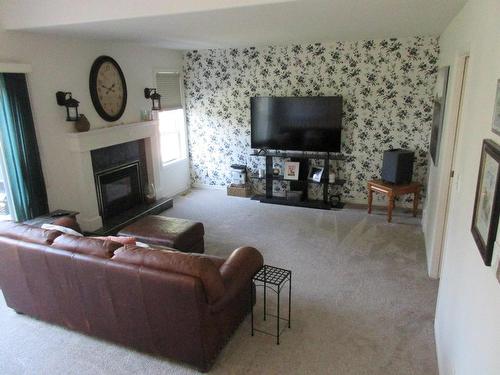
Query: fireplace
[[120, 176], [108, 149], [119, 189]]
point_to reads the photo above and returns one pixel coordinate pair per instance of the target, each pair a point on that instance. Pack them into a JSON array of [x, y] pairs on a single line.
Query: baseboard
[[178, 192], [355, 203], [208, 187], [89, 223], [438, 351]]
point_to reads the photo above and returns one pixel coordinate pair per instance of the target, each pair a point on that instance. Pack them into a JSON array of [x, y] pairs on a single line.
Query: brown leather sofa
[[178, 305]]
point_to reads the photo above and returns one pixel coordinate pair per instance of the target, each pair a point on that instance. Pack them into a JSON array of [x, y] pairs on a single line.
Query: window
[[172, 123], [171, 135]]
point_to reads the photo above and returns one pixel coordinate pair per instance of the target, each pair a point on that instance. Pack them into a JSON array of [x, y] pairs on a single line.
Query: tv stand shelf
[[338, 181], [300, 155], [303, 181]]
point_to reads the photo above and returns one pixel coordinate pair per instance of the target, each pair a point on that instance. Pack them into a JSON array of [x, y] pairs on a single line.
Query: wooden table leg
[[390, 207], [370, 199], [416, 198]]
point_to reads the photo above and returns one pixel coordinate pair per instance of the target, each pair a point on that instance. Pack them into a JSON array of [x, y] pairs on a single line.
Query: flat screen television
[[296, 123]]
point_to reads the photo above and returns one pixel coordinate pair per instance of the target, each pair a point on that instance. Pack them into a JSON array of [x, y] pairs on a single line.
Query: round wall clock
[[108, 89]]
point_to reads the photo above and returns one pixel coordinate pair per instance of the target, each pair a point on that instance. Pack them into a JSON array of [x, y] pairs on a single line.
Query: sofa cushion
[[122, 240], [62, 229], [86, 245], [174, 261], [28, 233]]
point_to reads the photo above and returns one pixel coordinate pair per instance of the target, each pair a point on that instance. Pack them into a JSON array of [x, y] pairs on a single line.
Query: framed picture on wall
[[496, 111], [487, 202], [438, 112], [315, 173], [291, 170]]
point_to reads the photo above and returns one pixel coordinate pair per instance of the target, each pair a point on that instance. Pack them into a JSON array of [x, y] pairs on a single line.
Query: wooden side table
[[392, 191]]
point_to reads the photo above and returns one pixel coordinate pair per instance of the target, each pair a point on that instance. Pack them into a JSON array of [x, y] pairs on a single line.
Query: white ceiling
[[188, 24]]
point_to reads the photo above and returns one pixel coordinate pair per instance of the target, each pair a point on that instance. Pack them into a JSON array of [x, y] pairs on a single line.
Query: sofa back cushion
[[62, 229], [122, 240], [195, 265], [28, 233], [69, 222], [86, 245]]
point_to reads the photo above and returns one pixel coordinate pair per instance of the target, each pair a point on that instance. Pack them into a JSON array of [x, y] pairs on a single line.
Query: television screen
[[296, 123]]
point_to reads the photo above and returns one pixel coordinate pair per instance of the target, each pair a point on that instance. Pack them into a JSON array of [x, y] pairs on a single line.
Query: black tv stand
[[261, 152], [303, 182]]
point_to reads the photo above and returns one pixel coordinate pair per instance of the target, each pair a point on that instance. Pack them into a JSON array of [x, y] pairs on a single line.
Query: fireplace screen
[[119, 189]]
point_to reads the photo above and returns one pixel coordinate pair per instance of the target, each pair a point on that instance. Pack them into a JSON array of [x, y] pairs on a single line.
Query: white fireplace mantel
[[81, 144], [112, 135]]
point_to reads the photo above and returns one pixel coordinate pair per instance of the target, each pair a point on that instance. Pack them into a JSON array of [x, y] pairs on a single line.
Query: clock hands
[[109, 88]]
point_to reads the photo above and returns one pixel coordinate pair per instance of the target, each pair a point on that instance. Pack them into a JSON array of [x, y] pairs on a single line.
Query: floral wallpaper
[[386, 86]]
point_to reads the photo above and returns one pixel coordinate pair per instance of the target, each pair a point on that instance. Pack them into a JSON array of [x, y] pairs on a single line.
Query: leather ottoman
[[180, 234]]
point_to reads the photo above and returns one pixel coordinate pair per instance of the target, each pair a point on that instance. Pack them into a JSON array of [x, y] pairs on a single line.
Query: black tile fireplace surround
[[120, 175]]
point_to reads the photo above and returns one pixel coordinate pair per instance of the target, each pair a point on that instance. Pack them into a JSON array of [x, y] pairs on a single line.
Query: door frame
[[451, 135], [6, 67]]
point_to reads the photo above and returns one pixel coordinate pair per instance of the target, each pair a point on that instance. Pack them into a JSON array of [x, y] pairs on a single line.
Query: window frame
[[180, 138], [183, 133]]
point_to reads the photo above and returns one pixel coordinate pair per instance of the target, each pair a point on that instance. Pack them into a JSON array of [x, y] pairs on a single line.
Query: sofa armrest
[[237, 272]]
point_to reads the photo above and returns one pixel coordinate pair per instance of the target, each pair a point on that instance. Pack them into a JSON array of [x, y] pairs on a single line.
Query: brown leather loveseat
[[178, 305]]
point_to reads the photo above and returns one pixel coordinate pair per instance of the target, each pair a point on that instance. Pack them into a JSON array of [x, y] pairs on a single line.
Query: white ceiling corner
[[192, 24]]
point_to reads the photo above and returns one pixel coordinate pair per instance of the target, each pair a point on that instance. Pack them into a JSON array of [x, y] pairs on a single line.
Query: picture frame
[[495, 263], [315, 173], [291, 171], [487, 201], [498, 272], [495, 127], [276, 169], [438, 112]]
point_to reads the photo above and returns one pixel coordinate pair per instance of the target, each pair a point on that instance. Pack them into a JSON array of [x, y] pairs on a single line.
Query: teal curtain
[[20, 148]]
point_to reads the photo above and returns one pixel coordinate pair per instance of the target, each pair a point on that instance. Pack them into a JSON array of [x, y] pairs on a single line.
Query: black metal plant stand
[[273, 278]]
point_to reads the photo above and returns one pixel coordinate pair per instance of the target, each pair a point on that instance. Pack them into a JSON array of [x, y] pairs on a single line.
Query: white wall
[[468, 312], [64, 64], [19, 14]]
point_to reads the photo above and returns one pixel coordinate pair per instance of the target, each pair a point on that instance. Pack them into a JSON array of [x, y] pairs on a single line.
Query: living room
[[165, 97]]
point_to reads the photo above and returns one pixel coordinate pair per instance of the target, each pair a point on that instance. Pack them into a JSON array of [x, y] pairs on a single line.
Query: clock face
[[108, 88]]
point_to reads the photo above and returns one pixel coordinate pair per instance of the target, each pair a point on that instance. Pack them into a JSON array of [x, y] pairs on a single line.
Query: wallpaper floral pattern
[[386, 86]]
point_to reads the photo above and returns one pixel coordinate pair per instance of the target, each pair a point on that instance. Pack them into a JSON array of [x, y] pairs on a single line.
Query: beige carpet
[[362, 303]]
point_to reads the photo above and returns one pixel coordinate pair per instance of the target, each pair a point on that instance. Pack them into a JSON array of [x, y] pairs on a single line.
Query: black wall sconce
[[71, 104], [155, 98]]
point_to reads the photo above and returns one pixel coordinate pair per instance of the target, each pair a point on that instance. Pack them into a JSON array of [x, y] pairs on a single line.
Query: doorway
[[5, 196], [454, 136]]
